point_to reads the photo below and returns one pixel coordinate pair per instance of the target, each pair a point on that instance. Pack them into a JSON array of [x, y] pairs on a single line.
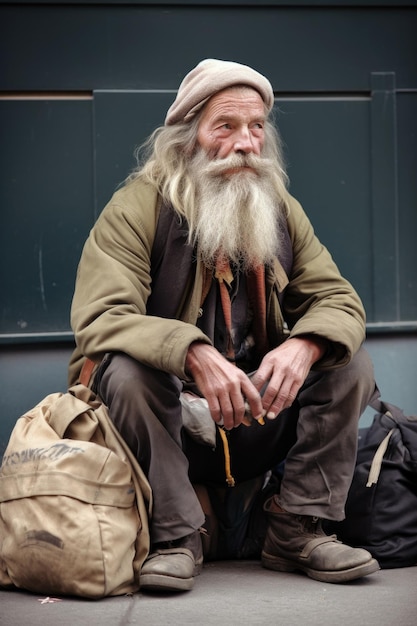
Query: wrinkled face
[[232, 122]]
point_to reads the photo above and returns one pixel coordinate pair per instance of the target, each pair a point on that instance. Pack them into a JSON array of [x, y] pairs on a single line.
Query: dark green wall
[[82, 83]]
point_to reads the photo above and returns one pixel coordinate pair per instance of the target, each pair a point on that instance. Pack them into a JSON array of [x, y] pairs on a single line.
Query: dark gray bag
[[381, 509]]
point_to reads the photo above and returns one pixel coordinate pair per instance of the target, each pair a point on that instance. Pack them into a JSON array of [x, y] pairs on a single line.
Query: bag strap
[[376, 464], [87, 370], [68, 408]]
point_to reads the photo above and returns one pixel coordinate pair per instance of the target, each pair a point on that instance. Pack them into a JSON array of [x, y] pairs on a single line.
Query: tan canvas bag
[[74, 502]]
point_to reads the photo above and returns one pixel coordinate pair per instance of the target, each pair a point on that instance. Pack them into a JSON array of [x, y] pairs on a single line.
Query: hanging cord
[[229, 478]]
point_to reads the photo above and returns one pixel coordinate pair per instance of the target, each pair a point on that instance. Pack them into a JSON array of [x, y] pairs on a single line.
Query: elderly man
[[200, 271]]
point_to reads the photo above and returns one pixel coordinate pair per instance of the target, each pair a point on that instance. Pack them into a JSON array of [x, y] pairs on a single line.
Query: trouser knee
[[357, 379], [141, 401]]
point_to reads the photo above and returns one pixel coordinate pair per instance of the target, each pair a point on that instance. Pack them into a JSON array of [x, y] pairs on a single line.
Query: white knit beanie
[[208, 78]]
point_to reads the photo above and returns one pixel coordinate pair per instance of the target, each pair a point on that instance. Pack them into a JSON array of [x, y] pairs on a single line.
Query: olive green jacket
[[109, 309]]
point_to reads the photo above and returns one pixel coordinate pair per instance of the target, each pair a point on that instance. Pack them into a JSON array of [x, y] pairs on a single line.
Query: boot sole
[[160, 582], [163, 582], [280, 564]]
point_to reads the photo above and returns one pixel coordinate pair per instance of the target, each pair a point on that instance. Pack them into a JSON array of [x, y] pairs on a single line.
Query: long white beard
[[236, 214]]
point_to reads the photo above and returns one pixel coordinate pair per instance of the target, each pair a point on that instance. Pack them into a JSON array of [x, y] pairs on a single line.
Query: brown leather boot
[[297, 542], [172, 565]]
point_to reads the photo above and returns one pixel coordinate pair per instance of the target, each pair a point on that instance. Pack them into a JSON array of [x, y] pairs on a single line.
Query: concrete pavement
[[234, 593]]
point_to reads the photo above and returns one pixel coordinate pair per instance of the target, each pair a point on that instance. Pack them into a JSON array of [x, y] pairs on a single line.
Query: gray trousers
[[317, 437]]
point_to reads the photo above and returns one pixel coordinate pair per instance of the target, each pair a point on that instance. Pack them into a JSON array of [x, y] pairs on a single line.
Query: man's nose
[[244, 142]]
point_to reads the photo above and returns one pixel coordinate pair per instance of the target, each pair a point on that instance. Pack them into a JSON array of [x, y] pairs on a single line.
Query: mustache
[[259, 165]]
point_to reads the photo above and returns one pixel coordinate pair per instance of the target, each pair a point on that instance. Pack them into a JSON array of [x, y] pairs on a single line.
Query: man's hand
[[224, 385], [284, 371]]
